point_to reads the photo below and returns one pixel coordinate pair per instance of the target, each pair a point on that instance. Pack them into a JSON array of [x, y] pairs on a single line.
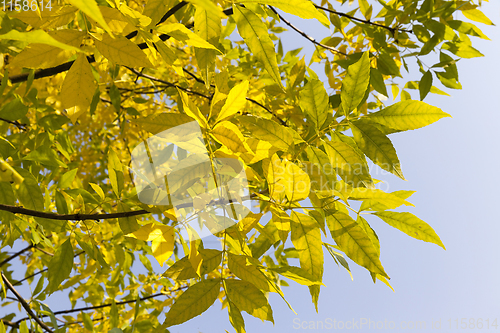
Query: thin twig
[[200, 80], [15, 255], [87, 308], [314, 41], [25, 304], [152, 78], [363, 21], [20, 126]]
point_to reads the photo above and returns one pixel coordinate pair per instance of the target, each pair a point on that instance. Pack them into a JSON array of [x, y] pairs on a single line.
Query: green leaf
[[411, 225], [425, 84], [268, 130], [249, 298], [313, 100], [354, 242], [127, 224], [235, 318], [376, 199], [29, 192], [67, 178], [355, 83], [339, 258], [193, 302], [13, 110], [60, 265], [37, 36], [377, 147], [306, 238], [408, 115], [386, 64], [115, 172], [302, 8], [350, 165], [241, 266], [462, 50], [254, 33], [377, 81]]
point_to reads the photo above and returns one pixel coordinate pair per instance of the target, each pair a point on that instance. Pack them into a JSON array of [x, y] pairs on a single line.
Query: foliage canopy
[[85, 82]]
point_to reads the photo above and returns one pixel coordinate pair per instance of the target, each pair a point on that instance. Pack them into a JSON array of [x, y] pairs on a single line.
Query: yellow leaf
[[98, 190], [264, 129], [134, 15], [297, 182], [37, 36], [355, 242], [274, 171], [249, 298], [193, 302], [90, 8], [235, 101], [239, 266], [155, 9], [256, 36], [122, 51], [44, 56], [301, 8], [209, 6], [191, 109], [162, 238], [306, 237], [58, 16], [230, 136], [8, 174], [183, 34], [281, 221], [78, 88]]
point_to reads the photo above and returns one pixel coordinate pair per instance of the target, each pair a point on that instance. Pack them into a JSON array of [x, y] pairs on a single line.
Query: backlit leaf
[[256, 36], [60, 265], [355, 83], [411, 225], [249, 298], [193, 302]]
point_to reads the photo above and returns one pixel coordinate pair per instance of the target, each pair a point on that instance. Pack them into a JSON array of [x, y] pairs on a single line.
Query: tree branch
[[87, 308], [314, 41], [363, 21], [25, 304], [72, 217], [15, 255], [91, 59], [20, 126]]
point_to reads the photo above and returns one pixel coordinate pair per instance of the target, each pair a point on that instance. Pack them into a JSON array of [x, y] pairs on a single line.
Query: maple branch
[[25, 304], [314, 41], [352, 18]]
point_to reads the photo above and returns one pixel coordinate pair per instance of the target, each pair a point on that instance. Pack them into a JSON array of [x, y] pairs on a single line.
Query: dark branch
[[20, 126], [363, 21], [15, 255], [66, 66], [66, 217], [87, 308], [25, 304], [314, 41]]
